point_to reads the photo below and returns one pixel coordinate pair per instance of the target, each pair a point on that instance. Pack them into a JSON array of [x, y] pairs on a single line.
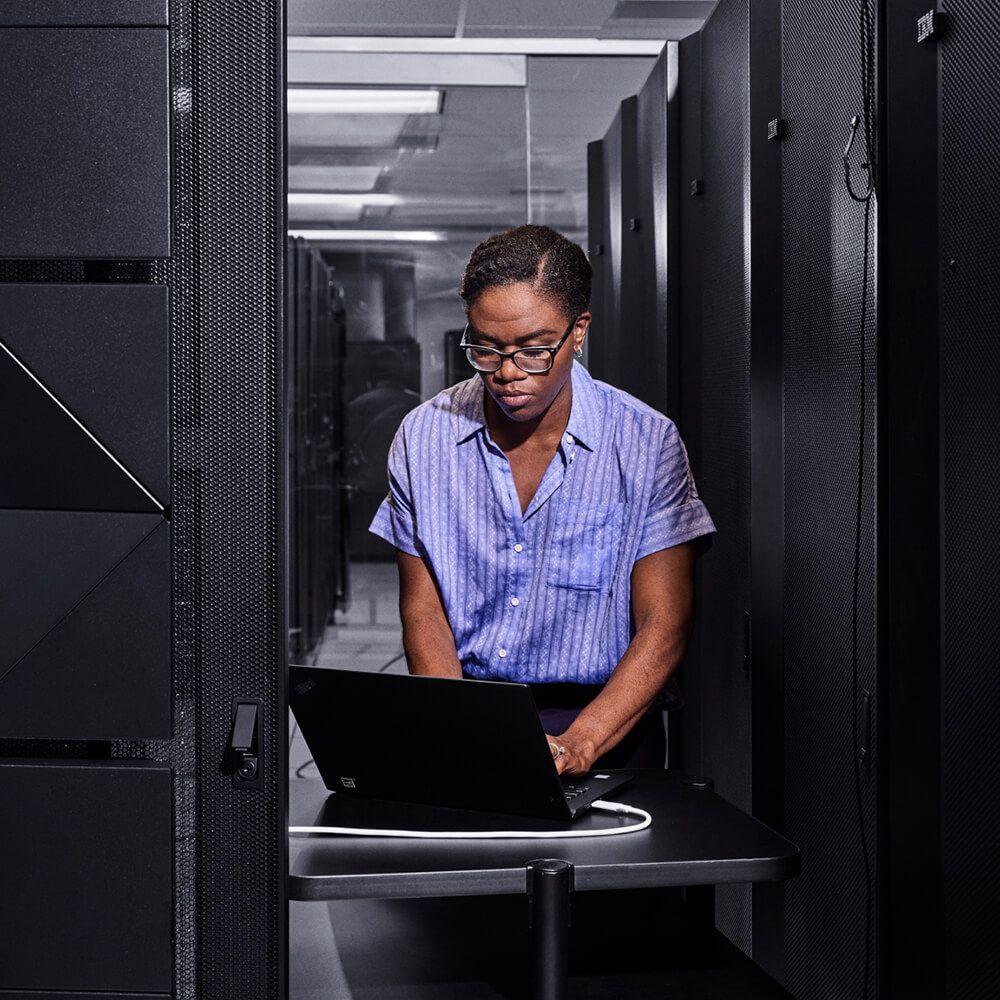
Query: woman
[[545, 521]]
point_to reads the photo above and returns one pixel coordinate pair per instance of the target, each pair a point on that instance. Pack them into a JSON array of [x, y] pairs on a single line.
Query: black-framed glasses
[[531, 360]]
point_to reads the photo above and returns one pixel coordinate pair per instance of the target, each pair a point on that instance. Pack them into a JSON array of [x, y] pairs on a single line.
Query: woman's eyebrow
[[473, 332]]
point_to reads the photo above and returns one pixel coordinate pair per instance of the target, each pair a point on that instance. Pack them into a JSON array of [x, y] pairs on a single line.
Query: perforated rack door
[[969, 283], [822, 245]]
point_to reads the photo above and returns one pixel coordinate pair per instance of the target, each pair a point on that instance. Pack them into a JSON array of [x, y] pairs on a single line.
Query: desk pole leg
[[549, 885]]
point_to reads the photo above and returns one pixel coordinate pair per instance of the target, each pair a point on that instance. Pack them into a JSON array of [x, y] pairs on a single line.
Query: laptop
[[436, 741]]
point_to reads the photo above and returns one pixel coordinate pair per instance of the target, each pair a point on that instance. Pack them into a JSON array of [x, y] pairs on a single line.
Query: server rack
[[318, 543], [837, 426], [141, 263]]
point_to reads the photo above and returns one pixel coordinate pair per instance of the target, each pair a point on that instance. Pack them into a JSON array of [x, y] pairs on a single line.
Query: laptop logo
[[348, 783], [305, 687]]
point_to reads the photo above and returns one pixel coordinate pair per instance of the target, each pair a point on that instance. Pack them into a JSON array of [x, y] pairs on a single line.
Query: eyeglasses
[[531, 360]]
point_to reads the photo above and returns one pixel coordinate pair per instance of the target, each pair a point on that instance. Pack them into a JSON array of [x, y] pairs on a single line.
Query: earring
[[578, 352]]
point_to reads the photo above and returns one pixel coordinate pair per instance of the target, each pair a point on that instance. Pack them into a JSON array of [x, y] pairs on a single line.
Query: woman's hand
[[577, 756]]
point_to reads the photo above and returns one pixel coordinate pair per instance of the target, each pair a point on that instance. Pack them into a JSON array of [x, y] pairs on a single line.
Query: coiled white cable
[[613, 831]]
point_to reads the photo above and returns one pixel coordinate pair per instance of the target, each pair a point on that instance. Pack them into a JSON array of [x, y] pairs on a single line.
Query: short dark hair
[[552, 264]]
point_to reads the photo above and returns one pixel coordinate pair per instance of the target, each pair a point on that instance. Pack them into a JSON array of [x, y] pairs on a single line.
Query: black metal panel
[[597, 252], [722, 416], [633, 297], [102, 672], [50, 461], [910, 911], [970, 386], [824, 354], [654, 327], [604, 357], [101, 350], [51, 13], [687, 405], [51, 561], [766, 486], [88, 112], [86, 851], [76, 995]]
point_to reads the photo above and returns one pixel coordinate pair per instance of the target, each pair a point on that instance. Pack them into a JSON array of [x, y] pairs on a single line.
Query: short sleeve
[[676, 513], [395, 519]]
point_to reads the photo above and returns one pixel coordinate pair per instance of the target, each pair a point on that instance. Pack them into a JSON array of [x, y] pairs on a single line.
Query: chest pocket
[[583, 544]]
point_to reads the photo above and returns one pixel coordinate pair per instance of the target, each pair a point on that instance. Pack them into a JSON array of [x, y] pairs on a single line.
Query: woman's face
[[510, 316]]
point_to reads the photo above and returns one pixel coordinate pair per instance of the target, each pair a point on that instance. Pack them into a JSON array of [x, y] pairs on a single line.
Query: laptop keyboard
[[574, 791]]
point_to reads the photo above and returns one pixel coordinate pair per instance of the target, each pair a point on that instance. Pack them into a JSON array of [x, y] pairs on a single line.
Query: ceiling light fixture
[[370, 235], [338, 101], [343, 199], [478, 46]]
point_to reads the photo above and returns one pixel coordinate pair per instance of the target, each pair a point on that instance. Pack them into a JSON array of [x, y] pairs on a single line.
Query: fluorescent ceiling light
[[341, 199], [370, 235], [312, 177], [491, 46], [406, 69], [338, 101]]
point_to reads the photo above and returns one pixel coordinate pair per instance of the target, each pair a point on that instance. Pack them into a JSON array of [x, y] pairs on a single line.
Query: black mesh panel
[[822, 237], [970, 387]]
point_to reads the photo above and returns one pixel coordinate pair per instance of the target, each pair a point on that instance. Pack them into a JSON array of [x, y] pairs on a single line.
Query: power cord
[[869, 166], [618, 808]]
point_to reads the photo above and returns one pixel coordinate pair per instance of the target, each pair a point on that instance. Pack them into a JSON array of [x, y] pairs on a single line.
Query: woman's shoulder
[[445, 414]]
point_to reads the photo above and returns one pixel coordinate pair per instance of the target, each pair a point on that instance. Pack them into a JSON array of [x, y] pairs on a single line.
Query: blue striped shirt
[[545, 596]]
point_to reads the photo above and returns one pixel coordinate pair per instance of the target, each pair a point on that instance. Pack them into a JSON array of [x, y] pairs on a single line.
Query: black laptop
[[459, 744]]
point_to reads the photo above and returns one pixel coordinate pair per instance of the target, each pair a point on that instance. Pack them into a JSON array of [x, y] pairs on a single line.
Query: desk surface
[[696, 838]]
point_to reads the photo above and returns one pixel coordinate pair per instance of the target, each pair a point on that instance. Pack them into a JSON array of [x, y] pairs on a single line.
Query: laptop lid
[[463, 744]]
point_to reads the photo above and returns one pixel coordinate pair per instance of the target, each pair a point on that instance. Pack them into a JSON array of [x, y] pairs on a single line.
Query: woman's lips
[[513, 398]]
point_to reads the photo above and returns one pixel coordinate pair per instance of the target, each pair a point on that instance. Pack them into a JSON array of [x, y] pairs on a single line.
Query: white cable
[[613, 807]]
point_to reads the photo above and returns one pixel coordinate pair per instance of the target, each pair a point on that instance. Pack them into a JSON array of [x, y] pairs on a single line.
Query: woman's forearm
[[650, 659]]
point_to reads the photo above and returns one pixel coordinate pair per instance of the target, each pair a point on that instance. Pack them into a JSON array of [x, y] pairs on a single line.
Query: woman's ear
[[580, 332]]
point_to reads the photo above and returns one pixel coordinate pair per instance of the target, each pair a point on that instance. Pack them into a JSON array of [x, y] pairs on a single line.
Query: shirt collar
[[584, 415]]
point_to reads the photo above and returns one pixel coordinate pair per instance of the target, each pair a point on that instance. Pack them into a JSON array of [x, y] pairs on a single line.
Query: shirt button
[[518, 547], [515, 601], [502, 652]]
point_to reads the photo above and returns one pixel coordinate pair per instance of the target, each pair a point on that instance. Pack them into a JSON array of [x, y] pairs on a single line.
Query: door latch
[[243, 754]]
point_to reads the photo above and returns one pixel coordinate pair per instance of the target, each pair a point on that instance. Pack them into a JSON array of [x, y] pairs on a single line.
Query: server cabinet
[[717, 411], [142, 499], [314, 351], [84, 125]]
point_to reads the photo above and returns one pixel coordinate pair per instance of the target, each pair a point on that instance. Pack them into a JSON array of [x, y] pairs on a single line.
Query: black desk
[[696, 839]]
